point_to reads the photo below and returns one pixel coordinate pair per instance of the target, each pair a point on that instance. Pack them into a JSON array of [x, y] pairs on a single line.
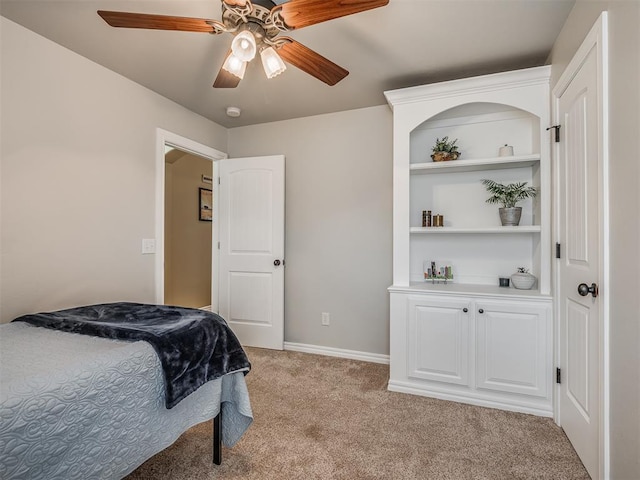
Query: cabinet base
[[478, 399]]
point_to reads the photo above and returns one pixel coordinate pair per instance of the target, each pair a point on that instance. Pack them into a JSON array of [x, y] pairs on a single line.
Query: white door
[[251, 254], [579, 272]]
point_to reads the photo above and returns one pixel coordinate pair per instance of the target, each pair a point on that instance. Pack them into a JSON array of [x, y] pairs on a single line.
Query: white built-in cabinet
[[470, 340]]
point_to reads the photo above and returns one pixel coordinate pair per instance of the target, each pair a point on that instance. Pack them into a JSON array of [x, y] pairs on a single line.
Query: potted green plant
[[445, 150], [508, 196]]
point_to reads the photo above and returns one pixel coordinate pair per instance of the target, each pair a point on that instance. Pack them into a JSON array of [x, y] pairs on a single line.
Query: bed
[[77, 406]]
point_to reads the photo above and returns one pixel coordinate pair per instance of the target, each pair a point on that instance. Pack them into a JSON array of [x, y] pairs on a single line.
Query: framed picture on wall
[[206, 205]]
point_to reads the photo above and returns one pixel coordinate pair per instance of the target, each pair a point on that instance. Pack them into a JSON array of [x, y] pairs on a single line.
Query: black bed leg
[[217, 438]]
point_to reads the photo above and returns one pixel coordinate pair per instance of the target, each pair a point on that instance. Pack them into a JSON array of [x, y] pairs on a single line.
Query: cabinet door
[[438, 339], [513, 348]]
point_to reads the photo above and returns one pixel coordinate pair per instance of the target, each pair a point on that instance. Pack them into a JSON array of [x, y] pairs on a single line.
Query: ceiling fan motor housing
[[258, 20]]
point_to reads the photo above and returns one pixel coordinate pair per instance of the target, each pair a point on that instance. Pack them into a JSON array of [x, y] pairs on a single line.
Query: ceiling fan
[[256, 26]]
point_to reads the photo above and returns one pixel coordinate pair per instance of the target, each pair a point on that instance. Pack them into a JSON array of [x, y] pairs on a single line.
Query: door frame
[[597, 39], [163, 138]]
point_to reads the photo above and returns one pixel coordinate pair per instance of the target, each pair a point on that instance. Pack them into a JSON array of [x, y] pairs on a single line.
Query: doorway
[[188, 229], [248, 206], [177, 287]]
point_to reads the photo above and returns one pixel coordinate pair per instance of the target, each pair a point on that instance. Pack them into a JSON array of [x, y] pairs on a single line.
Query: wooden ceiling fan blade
[[161, 22], [226, 79], [311, 62], [302, 13]]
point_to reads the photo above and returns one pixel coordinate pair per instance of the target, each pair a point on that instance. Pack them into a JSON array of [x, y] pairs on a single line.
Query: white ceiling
[[406, 43]]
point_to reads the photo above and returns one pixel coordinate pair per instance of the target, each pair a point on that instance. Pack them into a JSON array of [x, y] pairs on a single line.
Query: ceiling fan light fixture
[[235, 66], [271, 62], [244, 46]]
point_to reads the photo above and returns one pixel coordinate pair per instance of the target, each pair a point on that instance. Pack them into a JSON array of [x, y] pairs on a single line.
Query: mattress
[[78, 407]]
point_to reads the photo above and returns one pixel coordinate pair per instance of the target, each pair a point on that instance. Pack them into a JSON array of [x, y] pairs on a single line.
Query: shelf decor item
[[506, 151], [508, 196], [437, 271], [522, 279], [445, 150], [426, 218]]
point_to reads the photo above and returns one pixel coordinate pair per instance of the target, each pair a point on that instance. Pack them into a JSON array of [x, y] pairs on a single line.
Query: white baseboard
[[337, 352], [490, 401]]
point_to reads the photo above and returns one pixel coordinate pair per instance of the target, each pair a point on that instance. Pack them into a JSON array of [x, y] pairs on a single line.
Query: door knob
[[584, 289], [276, 263]]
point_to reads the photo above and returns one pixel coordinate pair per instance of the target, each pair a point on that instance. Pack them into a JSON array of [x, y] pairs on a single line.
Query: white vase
[[506, 151], [523, 281]]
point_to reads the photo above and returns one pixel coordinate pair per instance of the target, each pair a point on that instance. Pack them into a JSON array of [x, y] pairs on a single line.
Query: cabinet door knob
[[465, 309], [481, 311], [276, 263]]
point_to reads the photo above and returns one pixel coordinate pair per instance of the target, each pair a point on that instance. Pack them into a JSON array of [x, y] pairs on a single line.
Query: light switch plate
[[148, 246]]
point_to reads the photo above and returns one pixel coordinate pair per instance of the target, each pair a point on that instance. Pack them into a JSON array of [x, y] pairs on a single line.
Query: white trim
[[597, 38], [485, 401], [164, 137], [337, 352], [469, 86]]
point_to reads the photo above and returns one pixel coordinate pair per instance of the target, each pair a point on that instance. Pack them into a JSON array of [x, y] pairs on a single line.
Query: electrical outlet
[[326, 318]]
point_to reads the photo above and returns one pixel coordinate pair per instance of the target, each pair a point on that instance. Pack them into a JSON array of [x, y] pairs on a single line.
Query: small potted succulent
[[445, 150], [508, 196], [522, 279]]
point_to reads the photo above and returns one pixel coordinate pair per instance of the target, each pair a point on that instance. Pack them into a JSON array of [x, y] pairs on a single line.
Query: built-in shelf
[[470, 340], [490, 230], [466, 289], [475, 164]]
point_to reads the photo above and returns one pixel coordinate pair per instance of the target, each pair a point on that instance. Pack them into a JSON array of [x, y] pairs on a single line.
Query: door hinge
[[558, 375], [218, 245], [218, 180], [557, 250], [557, 129]]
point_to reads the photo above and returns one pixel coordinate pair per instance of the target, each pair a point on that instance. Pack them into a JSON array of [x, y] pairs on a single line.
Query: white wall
[[77, 177], [624, 115], [338, 223]]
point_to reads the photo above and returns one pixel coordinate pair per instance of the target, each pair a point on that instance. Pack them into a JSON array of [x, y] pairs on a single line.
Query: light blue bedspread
[[79, 407]]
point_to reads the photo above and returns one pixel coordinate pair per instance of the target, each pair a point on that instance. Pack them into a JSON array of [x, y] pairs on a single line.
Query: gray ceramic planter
[[510, 217]]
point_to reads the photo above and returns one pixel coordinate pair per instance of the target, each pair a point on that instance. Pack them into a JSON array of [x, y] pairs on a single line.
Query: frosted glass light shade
[[235, 66], [271, 62], [244, 46]]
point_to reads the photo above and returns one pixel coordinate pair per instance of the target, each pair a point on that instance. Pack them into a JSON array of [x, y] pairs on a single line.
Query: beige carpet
[[326, 418]]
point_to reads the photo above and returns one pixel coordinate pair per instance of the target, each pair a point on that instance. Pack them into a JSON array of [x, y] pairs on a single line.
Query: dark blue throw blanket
[[194, 346]]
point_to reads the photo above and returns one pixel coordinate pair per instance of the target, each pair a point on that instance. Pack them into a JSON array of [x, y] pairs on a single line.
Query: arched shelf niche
[[481, 129], [454, 189]]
